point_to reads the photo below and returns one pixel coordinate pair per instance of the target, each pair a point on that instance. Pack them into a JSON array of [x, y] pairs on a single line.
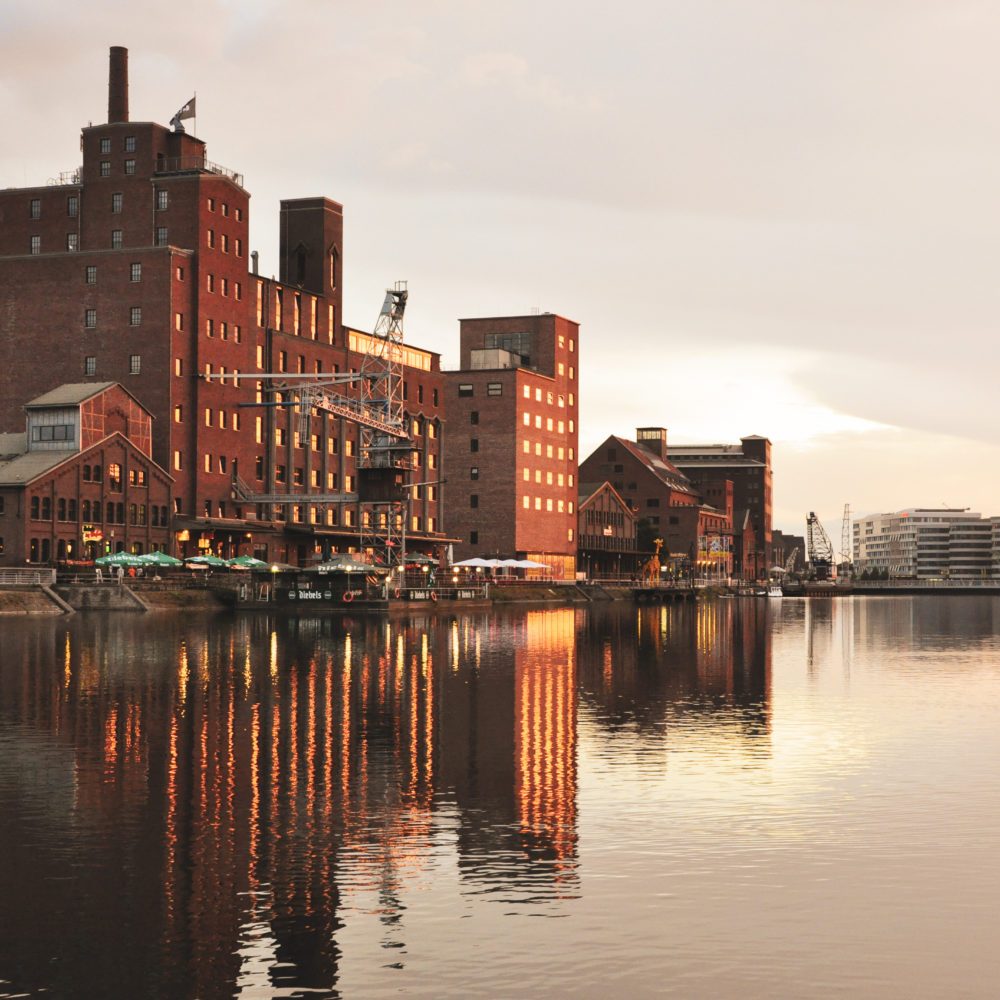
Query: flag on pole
[[185, 112]]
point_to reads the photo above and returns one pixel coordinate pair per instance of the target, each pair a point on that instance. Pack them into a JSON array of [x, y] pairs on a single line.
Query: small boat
[[774, 590]]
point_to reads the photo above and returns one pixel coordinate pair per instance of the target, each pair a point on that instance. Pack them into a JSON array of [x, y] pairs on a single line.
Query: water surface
[[743, 798]]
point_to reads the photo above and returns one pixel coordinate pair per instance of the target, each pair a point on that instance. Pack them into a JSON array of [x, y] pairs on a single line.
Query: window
[[72, 242], [35, 208], [473, 537], [473, 499], [178, 367], [178, 321], [135, 316], [225, 243], [72, 206], [129, 144], [225, 286], [161, 241], [210, 238], [105, 145], [474, 444], [90, 319], [494, 388], [116, 203], [135, 272], [90, 275], [36, 245], [210, 282], [115, 477], [209, 327], [474, 472], [211, 204], [130, 166], [162, 200], [208, 462], [105, 168], [116, 239], [90, 365], [465, 390], [134, 364], [474, 417]]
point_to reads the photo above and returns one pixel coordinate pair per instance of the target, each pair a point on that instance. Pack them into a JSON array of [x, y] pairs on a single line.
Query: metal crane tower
[[385, 458], [846, 540], [818, 548]]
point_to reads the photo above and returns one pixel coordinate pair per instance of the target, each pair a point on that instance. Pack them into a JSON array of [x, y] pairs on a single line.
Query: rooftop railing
[[66, 177], [195, 164]]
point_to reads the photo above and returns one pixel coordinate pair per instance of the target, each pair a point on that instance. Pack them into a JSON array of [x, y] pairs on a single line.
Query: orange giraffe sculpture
[[651, 568]]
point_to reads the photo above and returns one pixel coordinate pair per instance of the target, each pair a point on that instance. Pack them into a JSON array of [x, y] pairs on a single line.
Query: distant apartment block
[[928, 543]]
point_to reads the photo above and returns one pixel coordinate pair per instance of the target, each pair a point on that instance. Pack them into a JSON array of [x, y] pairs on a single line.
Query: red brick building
[[696, 532], [607, 534], [748, 466], [80, 480], [512, 447], [135, 267]]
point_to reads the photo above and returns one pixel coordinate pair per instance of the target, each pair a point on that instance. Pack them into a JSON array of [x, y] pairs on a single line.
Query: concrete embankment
[[29, 601]]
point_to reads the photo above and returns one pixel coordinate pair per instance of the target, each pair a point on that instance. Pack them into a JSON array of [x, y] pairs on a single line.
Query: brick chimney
[[118, 85], [653, 439]]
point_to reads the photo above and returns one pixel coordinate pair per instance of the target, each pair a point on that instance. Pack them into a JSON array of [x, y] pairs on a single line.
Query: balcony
[[195, 165]]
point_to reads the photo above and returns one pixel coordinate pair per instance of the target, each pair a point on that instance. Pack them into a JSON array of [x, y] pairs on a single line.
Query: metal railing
[[27, 577], [911, 584], [190, 164], [67, 178]]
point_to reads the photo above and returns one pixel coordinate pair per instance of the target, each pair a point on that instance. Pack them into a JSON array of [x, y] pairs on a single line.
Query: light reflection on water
[[741, 798]]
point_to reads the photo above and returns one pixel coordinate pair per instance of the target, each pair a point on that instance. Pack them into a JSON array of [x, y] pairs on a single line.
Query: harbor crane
[[819, 551], [385, 446]]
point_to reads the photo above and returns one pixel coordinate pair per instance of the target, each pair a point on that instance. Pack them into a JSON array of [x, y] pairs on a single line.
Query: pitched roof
[[16, 470], [666, 472], [70, 393], [589, 491]]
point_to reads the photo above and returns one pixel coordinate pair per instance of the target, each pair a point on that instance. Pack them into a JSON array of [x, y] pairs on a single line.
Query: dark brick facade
[[135, 269]]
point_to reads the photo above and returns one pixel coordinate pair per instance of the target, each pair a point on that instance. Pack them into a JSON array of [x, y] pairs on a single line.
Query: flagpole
[[195, 99]]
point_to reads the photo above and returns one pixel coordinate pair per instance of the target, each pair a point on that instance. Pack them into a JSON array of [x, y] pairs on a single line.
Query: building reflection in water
[[708, 662], [209, 797]]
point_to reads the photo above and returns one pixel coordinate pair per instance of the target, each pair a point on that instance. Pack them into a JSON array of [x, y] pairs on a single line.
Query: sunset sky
[[771, 217]]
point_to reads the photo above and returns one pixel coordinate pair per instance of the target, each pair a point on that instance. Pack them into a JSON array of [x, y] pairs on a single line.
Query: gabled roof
[[666, 472], [20, 468], [70, 394], [589, 492]]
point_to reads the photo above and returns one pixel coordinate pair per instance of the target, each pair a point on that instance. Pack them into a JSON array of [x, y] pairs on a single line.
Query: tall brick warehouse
[[512, 447], [133, 268]]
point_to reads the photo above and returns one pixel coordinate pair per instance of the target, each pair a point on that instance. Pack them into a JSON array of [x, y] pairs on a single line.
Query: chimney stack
[[118, 85]]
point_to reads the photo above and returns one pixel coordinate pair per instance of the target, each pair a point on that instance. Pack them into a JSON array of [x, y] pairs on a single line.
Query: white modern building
[[928, 543]]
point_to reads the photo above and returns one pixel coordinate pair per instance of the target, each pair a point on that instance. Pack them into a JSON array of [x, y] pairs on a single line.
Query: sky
[[772, 217]]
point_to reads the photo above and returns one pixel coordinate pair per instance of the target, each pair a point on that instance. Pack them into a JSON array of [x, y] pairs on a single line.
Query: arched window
[[46, 509], [34, 510], [61, 508]]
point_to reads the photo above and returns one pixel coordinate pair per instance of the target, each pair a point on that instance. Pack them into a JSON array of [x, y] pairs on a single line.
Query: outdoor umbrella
[[118, 559], [213, 562], [246, 562], [158, 559], [475, 563]]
